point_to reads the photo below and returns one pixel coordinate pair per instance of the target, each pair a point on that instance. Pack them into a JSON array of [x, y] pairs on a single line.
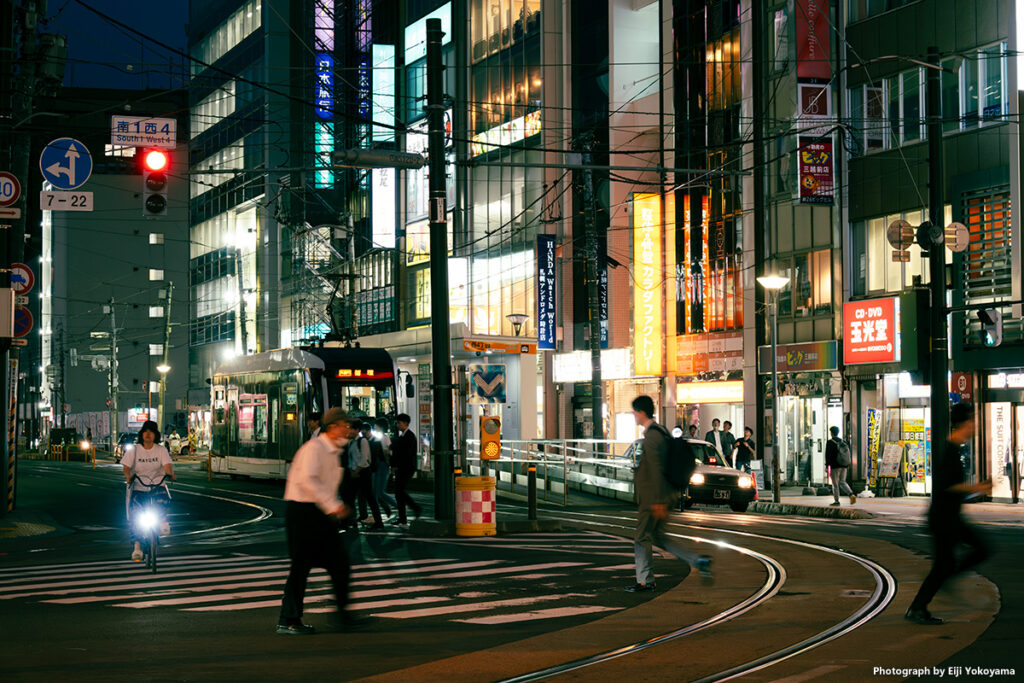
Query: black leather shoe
[[922, 616], [296, 629], [641, 588]]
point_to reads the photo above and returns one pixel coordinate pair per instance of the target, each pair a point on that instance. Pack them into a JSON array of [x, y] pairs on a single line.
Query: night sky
[[100, 54]]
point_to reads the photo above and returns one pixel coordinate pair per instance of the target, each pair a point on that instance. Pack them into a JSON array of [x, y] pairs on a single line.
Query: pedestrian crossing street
[[507, 580]]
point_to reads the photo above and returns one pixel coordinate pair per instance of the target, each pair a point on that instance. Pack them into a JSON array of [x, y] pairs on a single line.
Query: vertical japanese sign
[[813, 40], [546, 292], [602, 302], [425, 400], [874, 434], [323, 128], [647, 275], [816, 172]]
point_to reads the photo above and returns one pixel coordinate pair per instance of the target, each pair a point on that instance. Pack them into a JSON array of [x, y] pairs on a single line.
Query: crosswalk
[[505, 581]]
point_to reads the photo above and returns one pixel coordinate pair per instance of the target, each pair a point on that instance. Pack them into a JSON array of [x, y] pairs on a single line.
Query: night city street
[[465, 609]]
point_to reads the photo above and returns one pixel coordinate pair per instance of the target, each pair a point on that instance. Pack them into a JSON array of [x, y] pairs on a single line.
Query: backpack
[[376, 453], [680, 461], [843, 456]]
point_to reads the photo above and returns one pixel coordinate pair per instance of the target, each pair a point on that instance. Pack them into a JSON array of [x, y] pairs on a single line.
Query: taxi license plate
[[723, 493]]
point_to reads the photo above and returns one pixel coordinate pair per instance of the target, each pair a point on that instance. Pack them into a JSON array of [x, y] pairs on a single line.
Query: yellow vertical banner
[[671, 362], [647, 278]]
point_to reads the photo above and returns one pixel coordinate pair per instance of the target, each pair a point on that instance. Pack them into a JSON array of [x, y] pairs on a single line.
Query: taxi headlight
[[745, 482], [697, 478]]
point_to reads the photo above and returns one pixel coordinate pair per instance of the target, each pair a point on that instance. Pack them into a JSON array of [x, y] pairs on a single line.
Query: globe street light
[[774, 283]]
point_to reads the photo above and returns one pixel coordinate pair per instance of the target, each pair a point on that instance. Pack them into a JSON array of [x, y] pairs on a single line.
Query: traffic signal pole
[[442, 443], [937, 258]]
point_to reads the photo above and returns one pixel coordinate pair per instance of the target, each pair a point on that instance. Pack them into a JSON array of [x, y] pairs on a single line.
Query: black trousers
[[313, 541], [947, 536], [402, 497], [364, 489]]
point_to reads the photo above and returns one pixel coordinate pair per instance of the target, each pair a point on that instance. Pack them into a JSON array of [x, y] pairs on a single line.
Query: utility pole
[[63, 376], [113, 376], [592, 260], [937, 256], [167, 344], [442, 444]]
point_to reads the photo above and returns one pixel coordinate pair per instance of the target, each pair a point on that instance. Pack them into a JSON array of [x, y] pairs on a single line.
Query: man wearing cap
[[311, 521]]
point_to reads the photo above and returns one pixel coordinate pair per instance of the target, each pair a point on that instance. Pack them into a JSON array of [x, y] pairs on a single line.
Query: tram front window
[[362, 401]]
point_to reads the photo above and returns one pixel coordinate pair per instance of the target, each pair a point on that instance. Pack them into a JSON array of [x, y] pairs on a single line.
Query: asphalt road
[[485, 608]]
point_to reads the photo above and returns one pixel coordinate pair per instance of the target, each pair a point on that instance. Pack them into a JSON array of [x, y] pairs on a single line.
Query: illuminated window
[[213, 108], [156, 311], [242, 23], [229, 158], [155, 274], [156, 238], [156, 349]]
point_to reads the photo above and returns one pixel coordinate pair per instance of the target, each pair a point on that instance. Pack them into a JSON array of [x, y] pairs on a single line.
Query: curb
[[767, 508]]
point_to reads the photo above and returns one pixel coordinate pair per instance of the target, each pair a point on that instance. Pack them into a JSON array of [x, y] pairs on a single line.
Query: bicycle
[[149, 515]]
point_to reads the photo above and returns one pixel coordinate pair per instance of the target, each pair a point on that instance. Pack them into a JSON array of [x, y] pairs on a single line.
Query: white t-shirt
[[147, 465]]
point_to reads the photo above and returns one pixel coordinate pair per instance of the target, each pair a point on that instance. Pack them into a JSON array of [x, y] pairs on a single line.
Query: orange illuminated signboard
[[647, 277], [360, 373], [871, 331], [498, 347]]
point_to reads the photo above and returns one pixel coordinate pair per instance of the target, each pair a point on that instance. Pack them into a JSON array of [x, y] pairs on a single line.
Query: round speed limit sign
[[10, 189]]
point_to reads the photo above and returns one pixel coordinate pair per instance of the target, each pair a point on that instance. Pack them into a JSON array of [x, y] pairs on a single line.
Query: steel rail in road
[[264, 513], [883, 594]]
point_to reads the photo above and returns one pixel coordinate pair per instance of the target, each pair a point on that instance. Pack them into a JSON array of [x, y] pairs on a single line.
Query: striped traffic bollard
[[475, 510]]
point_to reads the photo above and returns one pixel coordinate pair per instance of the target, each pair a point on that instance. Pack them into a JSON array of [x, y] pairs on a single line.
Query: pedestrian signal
[[154, 182], [490, 437], [991, 326]]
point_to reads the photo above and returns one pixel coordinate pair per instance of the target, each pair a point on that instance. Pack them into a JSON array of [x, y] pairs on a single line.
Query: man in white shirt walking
[[311, 521]]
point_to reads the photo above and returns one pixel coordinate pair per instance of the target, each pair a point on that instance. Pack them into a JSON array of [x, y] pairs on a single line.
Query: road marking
[[477, 606], [43, 567], [380, 604], [509, 570], [127, 568], [554, 613]]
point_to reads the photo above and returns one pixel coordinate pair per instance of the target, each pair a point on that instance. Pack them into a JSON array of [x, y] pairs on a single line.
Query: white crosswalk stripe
[[500, 587]]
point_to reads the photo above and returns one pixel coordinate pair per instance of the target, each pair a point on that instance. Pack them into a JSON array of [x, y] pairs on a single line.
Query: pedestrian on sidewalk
[[746, 450], [364, 478], [728, 442], [714, 437], [403, 462], [948, 527], [381, 468], [838, 459], [693, 431], [311, 522], [654, 494]]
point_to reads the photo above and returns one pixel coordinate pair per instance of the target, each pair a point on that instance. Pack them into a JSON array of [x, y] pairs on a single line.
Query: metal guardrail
[[599, 467]]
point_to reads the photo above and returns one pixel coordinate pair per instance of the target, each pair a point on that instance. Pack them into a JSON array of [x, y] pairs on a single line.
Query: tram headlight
[[745, 482], [697, 478]]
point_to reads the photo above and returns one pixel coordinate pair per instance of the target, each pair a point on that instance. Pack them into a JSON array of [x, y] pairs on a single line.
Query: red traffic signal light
[[155, 160]]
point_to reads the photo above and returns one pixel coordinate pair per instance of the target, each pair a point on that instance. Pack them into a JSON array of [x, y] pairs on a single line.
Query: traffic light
[[154, 182], [490, 437], [991, 326]]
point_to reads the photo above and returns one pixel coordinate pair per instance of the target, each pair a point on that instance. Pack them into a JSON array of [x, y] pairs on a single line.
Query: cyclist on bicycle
[[145, 468]]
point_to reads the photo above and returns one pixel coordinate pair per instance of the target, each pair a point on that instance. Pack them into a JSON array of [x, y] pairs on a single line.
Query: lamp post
[[163, 369], [517, 320], [774, 283]]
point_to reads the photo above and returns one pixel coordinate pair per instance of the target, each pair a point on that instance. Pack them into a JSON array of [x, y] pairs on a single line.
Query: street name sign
[[65, 163], [65, 201], [143, 131], [10, 189]]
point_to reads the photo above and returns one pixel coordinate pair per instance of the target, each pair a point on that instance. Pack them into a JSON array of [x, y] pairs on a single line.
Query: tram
[[261, 402]]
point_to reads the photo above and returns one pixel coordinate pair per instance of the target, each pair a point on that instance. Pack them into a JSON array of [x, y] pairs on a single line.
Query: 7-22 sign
[[65, 201]]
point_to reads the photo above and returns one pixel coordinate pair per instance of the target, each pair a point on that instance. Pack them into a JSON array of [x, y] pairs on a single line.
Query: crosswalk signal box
[[490, 437]]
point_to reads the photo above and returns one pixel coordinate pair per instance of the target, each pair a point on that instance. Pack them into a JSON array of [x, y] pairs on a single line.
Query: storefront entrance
[[1004, 430]]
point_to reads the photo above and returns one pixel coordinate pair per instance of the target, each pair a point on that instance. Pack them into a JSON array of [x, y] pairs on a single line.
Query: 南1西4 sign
[[871, 331]]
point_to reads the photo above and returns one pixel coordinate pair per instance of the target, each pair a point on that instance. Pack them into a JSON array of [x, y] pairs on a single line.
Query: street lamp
[[517, 320], [163, 369], [774, 283]]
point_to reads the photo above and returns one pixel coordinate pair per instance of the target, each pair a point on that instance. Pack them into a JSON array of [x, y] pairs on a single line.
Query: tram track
[[883, 593]]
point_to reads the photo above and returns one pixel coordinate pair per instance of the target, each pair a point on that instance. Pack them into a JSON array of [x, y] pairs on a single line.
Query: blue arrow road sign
[[65, 163]]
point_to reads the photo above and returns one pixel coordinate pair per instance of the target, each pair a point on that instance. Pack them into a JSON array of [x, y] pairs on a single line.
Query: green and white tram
[[261, 402]]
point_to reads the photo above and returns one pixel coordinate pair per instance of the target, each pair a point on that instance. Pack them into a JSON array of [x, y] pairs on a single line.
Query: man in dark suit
[[728, 442], [714, 437], [403, 462]]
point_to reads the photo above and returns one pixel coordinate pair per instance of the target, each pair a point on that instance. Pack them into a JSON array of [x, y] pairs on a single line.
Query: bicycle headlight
[[148, 520], [745, 482], [697, 478]]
